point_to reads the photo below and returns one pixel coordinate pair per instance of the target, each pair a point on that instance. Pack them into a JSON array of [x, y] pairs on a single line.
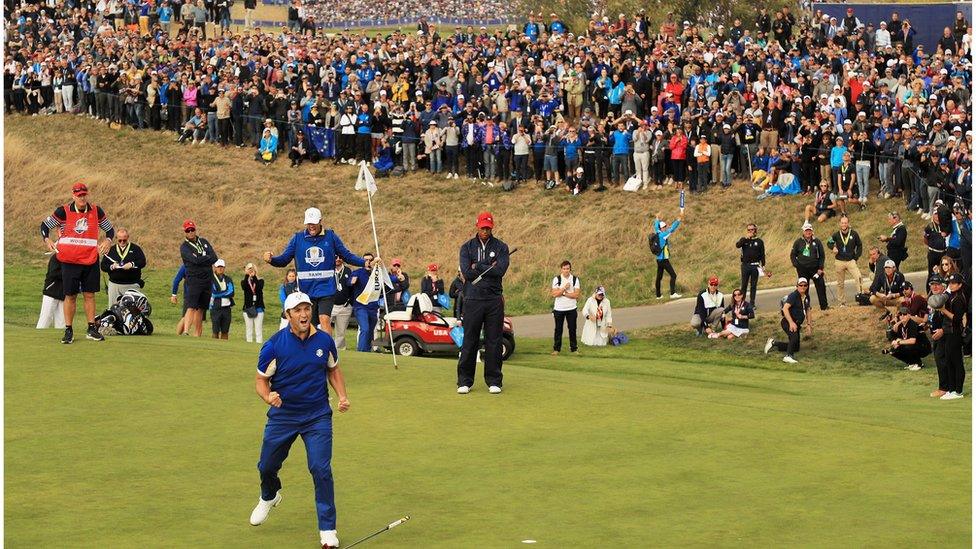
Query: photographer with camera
[[908, 341]]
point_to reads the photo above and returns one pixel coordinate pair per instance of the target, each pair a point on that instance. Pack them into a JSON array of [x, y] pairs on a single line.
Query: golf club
[[389, 526], [477, 280]]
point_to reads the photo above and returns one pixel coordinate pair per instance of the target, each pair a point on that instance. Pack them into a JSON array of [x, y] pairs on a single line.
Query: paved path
[[679, 311]]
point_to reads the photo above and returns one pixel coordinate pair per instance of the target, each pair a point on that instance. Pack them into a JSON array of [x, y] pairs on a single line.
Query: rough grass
[[150, 184]]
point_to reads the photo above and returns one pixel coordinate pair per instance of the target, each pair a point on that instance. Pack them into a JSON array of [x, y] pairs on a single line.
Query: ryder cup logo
[[81, 226], [318, 353], [313, 256]]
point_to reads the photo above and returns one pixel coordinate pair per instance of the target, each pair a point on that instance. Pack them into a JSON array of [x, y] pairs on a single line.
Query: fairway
[[153, 442]]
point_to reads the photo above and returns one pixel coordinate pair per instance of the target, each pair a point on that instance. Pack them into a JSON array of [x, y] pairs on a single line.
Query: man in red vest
[[78, 222]]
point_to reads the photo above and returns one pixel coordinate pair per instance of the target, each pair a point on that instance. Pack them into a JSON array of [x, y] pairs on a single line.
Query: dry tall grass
[[150, 184]]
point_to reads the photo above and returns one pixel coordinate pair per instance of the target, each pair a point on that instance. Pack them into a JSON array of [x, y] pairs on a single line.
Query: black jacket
[[849, 251], [343, 293], [456, 292], [133, 255], [475, 259], [898, 245], [882, 285], [199, 266], [812, 260], [753, 250], [255, 298], [53, 285]]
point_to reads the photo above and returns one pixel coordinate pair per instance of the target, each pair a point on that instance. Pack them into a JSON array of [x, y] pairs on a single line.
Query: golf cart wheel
[[508, 346], [407, 346]]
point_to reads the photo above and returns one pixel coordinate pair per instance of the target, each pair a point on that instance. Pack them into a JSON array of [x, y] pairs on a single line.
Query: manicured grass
[[153, 442]]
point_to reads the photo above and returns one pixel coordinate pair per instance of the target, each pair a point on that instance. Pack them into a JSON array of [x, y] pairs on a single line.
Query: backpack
[[654, 243], [556, 279]]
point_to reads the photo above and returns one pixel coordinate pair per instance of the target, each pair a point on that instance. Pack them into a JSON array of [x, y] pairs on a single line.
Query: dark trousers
[[521, 167], [941, 364], [317, 435], [664, 265], [557, 335], [220, 319], [792, 345], [487, 315], [223, 130], [955, 368], [911, 354], [451, 163], [538, 159], [750, 279], [934, 258], [364, 147], [817, 281], [472, 156]]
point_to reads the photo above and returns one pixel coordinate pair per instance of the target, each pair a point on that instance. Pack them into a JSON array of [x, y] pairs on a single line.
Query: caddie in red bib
[[78, 224]]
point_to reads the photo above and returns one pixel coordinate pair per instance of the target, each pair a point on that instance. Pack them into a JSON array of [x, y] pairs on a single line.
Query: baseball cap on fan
[[486, 221], [79, 189]]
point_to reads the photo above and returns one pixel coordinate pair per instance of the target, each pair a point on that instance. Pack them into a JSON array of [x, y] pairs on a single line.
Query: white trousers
[[52, 313], [254, 328], [642, 163], [68, 97], [341, 315]]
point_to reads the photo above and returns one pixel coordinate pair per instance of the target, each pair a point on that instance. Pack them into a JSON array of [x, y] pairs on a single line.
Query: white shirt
[[562, 302]]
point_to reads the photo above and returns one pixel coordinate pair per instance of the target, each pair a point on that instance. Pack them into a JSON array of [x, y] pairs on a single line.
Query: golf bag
[[129, 316]]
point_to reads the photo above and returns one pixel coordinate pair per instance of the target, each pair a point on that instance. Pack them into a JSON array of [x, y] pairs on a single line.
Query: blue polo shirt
[[298, 371]]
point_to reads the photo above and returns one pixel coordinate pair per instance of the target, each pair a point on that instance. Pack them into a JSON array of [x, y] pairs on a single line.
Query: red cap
[[432, 267], [79, 189], [397, 262], [713, 280], [486, 220], [188, 224]]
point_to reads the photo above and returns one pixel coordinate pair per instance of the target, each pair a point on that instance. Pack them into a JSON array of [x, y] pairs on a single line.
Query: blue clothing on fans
[[180, 275], [298, 370], [837, 156], [662, 237], [620, 141], [315, 261]]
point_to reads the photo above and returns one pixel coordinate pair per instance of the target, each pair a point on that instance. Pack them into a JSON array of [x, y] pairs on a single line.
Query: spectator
[[456, 292], [124, 263], [597, 319], [253, 287], [795, 310], [739, 313], [299, 150], [908, 341], [342, 309], [268, 149], [954, 312], [565, 289], [400, 282], [935, 322], [753, 260], [935, 242], [288, 286], [826, 204], [807, 257], [221, 301], [847, 248], [365, 312], [198, 259], [897, 241], [708, 309], [659, 241], [52, 300], [432, 286], [886, 288]]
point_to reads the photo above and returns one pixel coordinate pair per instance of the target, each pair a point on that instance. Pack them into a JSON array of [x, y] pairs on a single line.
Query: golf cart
[[421, 330]]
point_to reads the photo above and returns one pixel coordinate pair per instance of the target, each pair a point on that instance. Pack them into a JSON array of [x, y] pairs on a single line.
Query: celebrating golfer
[[293, 367], [484, 261], [314, 252]]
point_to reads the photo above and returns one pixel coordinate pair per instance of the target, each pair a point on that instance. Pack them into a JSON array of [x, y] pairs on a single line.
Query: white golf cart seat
[[417, 305]]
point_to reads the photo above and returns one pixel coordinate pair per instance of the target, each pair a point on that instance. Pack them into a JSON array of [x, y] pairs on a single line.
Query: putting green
[[154, 441]]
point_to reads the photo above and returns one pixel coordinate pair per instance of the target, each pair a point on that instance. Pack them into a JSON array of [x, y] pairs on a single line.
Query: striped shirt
[[57, 219]]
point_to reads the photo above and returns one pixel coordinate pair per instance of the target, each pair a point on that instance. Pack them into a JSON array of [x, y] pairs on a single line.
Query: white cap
[[726, 127], [847, 120], [219, 263], [296, 298], [313, 216], [659, 132], [801, 280], [807, 226], [628, 112], [889, 263]]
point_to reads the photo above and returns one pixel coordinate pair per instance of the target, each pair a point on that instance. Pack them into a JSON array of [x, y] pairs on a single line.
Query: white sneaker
[[263, 509], [494, 389], [914, 367], [463, 390], [769, 345], [456, 176], [329, 538], [448, 176], [675, 296], [951, 395], [789, 360]]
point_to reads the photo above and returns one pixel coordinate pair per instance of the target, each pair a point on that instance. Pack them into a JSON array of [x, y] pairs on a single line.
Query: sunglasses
[[190, 231], [121, 241], [803, 284]]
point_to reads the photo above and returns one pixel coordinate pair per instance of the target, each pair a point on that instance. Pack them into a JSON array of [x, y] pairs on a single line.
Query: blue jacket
[[216, 293], [621, 141], [315, 261], [662, 237], [362, 277]]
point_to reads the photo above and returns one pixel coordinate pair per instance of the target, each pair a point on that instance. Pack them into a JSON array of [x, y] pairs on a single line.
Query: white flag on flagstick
[[365, 181], [373, 291]]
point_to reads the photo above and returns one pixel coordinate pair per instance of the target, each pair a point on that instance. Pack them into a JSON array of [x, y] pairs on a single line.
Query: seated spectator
[[708, 308], [433, 286], [908, 341], [195, 128], [825, 204], [384, 160], [299, 150], [268, 149], [886, 288], [738, 312], [597, 319]]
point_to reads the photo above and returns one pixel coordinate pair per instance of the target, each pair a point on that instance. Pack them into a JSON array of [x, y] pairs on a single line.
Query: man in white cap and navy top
[[807, 256], [295, 368], [314, 251], [795, 308]]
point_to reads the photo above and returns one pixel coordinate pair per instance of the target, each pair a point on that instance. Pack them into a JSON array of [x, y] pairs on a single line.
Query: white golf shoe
[[495, 389], [464, 389], [263, 509], [789, 360], [951, 395], [329, 538]]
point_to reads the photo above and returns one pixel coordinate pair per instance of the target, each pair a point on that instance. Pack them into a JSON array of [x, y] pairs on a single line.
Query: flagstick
[[376, 242]]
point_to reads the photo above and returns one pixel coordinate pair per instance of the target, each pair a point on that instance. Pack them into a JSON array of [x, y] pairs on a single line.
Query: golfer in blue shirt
[[295, 368]]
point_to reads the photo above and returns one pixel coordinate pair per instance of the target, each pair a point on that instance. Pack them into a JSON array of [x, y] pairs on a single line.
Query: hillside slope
[[150, 184]]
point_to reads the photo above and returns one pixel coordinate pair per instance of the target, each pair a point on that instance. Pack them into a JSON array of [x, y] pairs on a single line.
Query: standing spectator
[[846, 244], [908, 341], [679, 152], [709, 307], [597, 319], [221, 301], [433, 146], [954, 312], [566, 290], [198, 258], [124, 263], [433, 286], [886, 288], [753, 260], [936, 323], [456, 292], [795, 309], [897, 240], [253, 287], [642, 153], [288, 286], [78, 222], [342, 309], [739, 312], [807, 256], [366, 313], [52, 297], [659, 241], [935, 241]]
